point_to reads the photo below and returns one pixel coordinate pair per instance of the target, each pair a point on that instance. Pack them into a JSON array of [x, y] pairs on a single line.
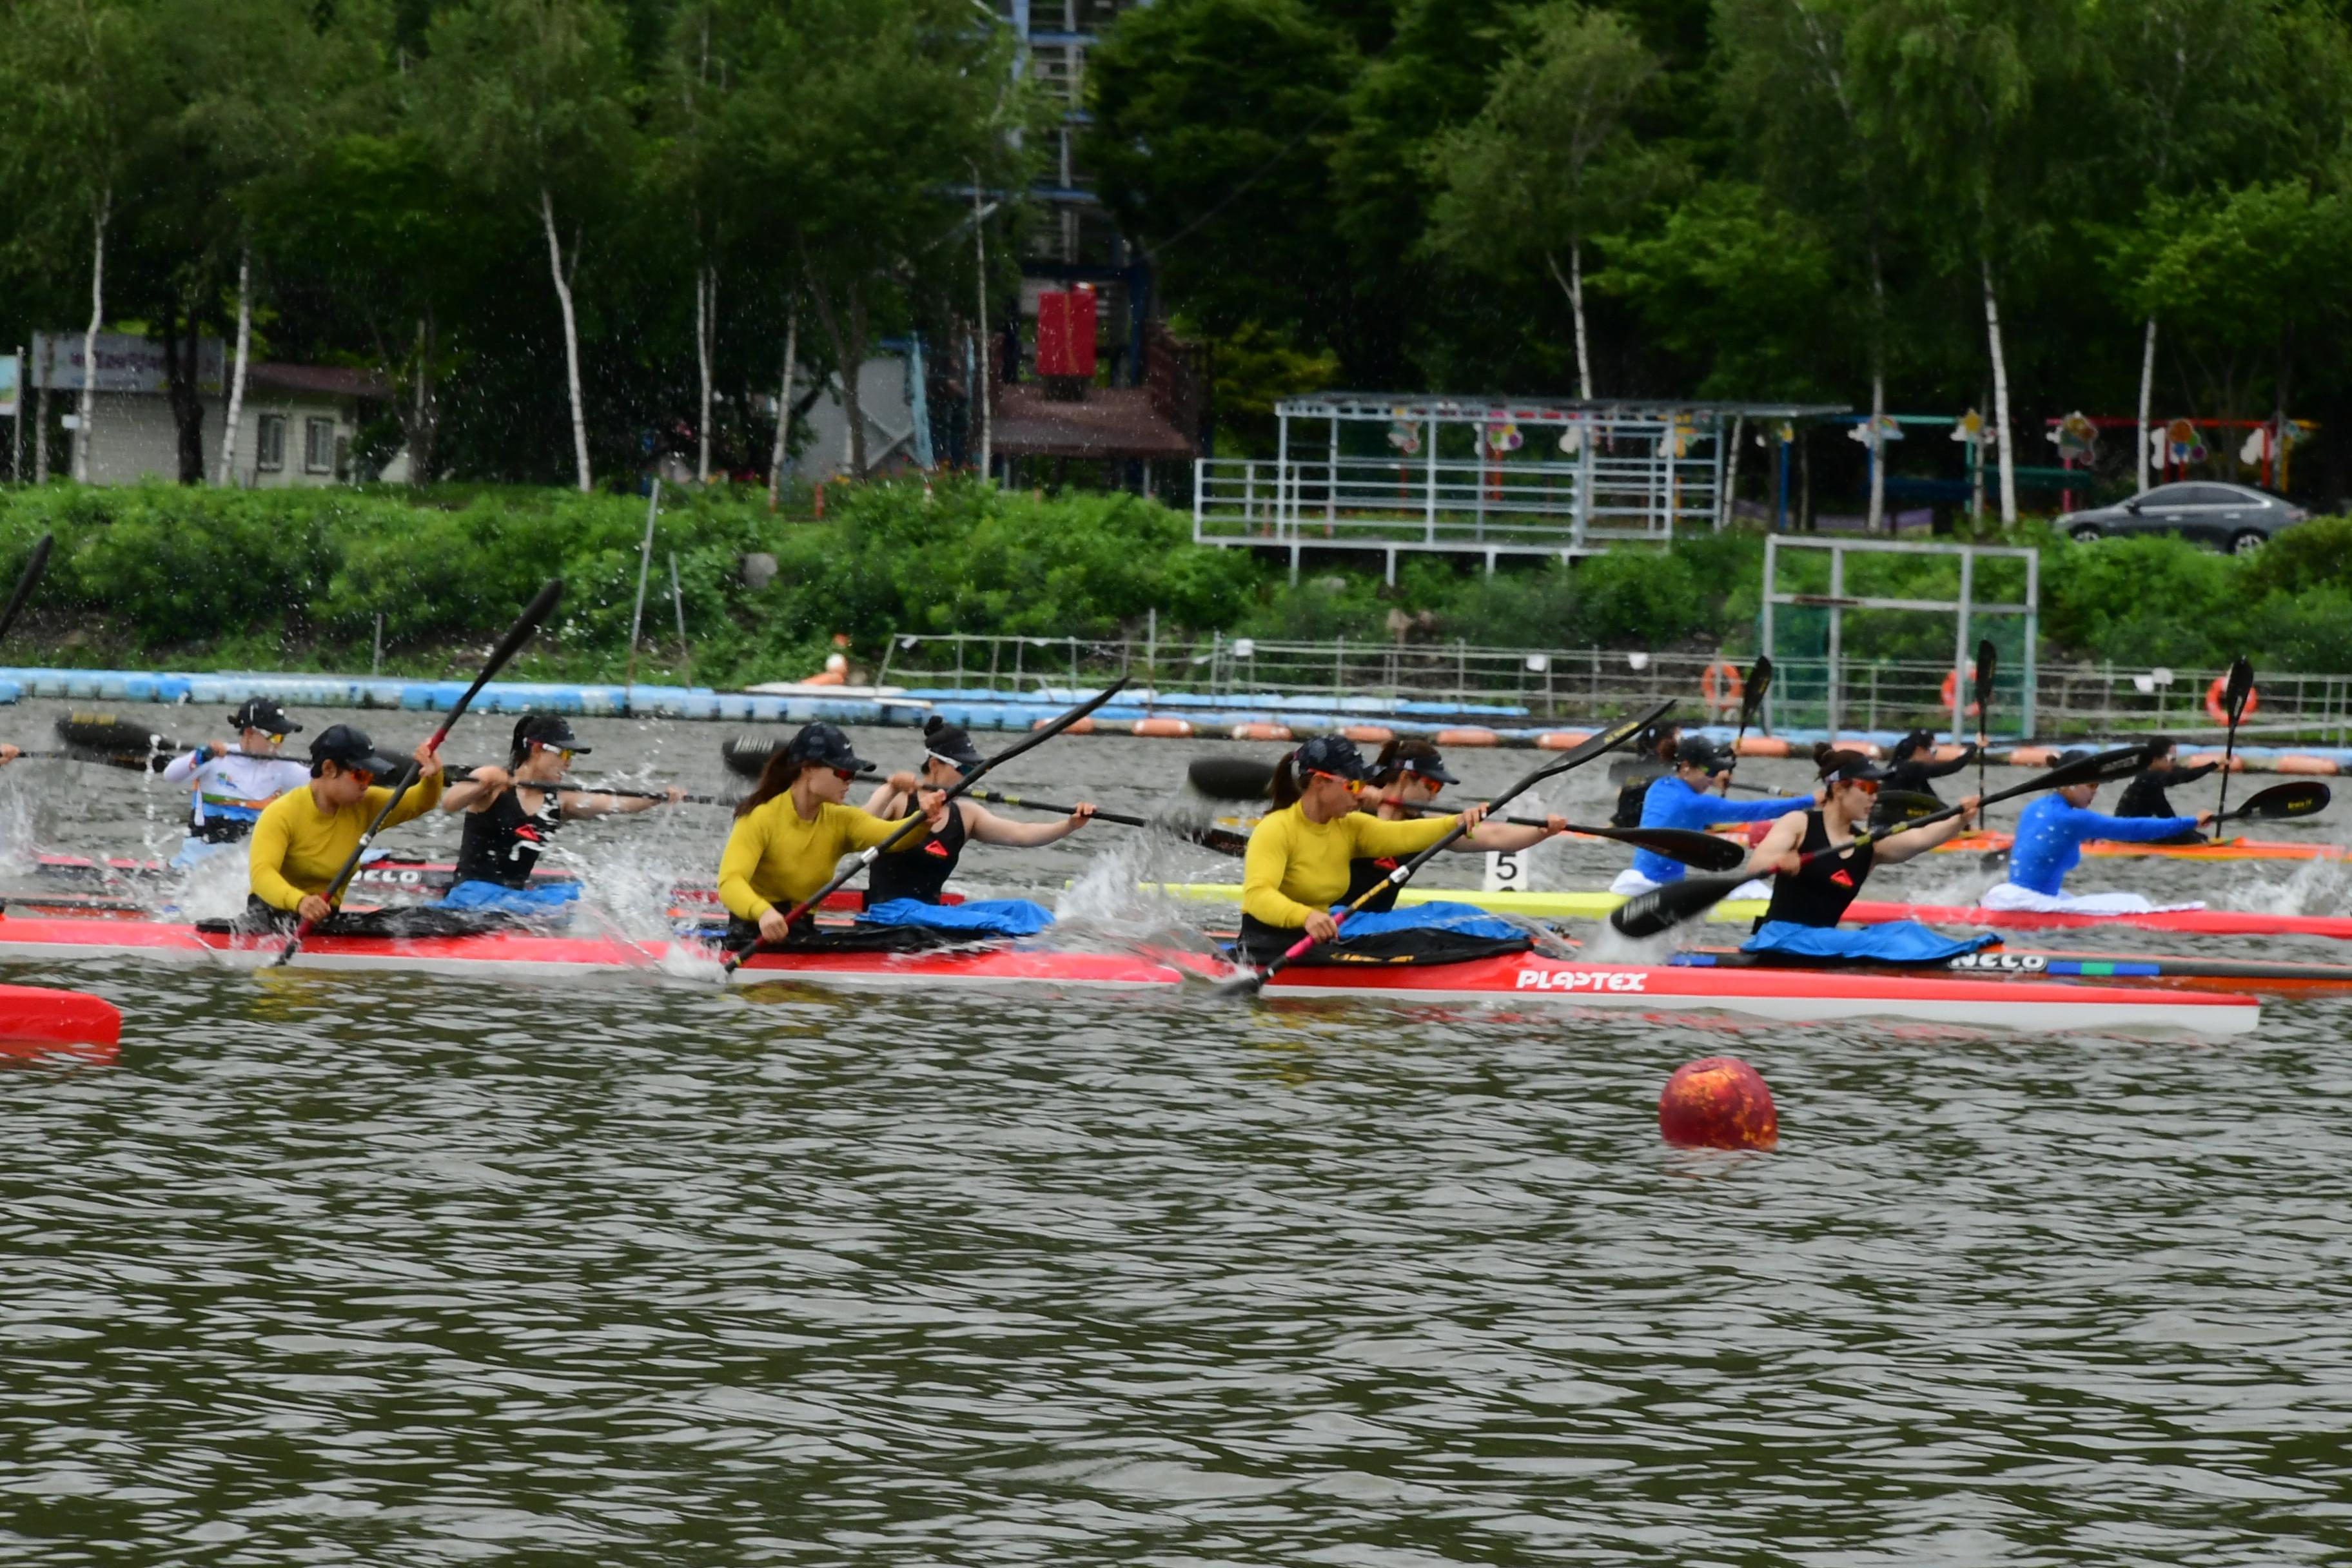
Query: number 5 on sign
[[1506, 872]]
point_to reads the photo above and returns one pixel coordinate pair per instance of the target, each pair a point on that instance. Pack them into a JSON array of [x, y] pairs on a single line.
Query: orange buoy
[[1562, 740], [1717, 1102], [1177, 729], [1721, 688], [1466, 737], [2218, 692], [1255, 731], [1369, 734], [1951, 690]]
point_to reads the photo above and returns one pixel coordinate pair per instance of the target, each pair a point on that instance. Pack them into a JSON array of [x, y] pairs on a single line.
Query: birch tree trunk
[[2002, 432], [1877, 393], [236, 372], [983, 389], [2146, 395], [706, 317], [425, 413], [82, 431], [1572, 284], [571, 337], [845, 326], [1731, 473], [784, 408]]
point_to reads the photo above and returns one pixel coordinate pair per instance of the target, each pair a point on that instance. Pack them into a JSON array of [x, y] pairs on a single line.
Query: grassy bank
[[207, 579]]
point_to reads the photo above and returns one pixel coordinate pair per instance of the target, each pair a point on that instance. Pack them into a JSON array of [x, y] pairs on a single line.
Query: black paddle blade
[[2241, 687], [2304, 798], [747, 757], [1905, 806], [1662, 908], [1231, 778], [1223, 840], [1707, 851], [1759, 681], [26, 584], [1987, 662], [109, 736]]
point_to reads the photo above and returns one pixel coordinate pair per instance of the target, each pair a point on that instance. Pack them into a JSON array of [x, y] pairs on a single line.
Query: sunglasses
[[276, 740], [843, 775], [1867, 786], [1353, 786]]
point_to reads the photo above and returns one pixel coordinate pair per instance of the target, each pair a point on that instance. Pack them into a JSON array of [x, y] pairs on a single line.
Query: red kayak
[[1514, 981], [37, 1021]]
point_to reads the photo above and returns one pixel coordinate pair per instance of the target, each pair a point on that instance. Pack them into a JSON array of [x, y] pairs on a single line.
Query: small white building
[[295, 428]]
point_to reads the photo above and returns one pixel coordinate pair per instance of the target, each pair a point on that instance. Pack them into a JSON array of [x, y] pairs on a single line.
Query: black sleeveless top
[[502, 845], [1818, 895], [1363, 872], [922, 873], [1631, 799]]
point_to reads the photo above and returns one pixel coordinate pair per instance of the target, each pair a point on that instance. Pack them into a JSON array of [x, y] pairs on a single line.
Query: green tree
[[852, 116], [1550, 158], [529, 97], [82, 79]]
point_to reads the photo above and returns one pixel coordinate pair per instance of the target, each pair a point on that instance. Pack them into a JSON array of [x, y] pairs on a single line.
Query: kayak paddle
[[1253, 978], [2233, 704], [25, 585], [867, 856], [1665, 908], [1231, 778], [2302, 797], [1751, 702], [1223, 840], [508, 645], [1707, 851], [1988, 661]]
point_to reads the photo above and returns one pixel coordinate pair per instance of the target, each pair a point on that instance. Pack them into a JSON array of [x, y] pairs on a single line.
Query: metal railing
[[1452, 504], [1514, 686]]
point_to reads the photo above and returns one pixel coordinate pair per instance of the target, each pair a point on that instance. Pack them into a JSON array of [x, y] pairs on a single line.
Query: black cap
[[548, 730], [263, 713], [1914, 742], [949, 743], [1432, 766], [352, 748], [1333, 754], [825, 745], [2068, 758], [1697, 752]]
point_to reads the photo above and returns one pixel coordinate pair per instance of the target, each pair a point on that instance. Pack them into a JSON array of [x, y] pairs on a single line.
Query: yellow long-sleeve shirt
[[296, 848], [775, 858], [1294, 866]]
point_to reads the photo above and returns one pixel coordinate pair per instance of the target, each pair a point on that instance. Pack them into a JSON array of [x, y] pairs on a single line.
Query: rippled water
[[337, 1269]]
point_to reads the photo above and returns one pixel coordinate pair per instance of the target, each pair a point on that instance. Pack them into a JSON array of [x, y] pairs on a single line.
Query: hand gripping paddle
[[1251, 980], [1662, 909]]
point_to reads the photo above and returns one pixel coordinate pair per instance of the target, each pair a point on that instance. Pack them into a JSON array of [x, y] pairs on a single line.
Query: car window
[[2168, 495], [2217, 495]]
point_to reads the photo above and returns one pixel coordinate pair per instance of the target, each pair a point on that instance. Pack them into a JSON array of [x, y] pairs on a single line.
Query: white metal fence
[[1570, 684]]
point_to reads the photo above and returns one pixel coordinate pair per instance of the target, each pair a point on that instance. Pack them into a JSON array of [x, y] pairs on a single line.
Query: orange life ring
[[1722, 689], [2220, 689], [1952, 690]]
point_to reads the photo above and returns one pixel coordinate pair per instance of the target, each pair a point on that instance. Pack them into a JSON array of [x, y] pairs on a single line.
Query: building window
[[317, 446], [269, 452]]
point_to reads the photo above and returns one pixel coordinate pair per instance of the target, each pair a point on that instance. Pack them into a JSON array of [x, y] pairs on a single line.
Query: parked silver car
[[2239, 518]]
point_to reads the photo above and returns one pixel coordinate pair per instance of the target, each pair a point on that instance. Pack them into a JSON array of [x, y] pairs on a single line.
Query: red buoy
[[1717, 1102]]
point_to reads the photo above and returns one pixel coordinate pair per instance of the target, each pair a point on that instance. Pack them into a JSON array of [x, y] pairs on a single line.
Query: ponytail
[[782, 770], [519, 752], [1286, 788]]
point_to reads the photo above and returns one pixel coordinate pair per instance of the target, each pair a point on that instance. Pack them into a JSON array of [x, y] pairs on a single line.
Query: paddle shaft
[[963, 786], [27, 582], [1607, 741], [1760, 680], [1987, 662], [2241, 684], [508, 645]]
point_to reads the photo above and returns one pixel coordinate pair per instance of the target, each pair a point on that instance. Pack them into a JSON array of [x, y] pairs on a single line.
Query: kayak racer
[[1809, 898], [1912, 766], [303, 837], [513, 814], [792, 829], [2050, 837], [948, 756], [2145, 795], [1652, 757], [1300, 855], [1681, 799], [1411, 772], [232, 784]]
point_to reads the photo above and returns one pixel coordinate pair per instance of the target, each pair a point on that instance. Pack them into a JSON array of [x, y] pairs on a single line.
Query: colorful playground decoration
[[1404, 434], [1571, 438], [2183, 443], [2268, 444], [1888, 430], [1971, 430], [1504, 436], [2076, 438]]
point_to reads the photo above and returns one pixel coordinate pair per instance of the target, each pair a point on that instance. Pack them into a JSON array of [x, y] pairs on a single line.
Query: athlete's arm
[[1897, 847], [1778, 851], [989, 828]]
